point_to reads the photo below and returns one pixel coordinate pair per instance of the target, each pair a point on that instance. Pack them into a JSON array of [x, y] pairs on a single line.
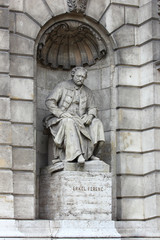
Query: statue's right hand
[[66, 115]]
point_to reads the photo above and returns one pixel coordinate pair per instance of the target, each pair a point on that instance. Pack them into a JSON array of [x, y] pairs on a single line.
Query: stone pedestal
[[76, 193]]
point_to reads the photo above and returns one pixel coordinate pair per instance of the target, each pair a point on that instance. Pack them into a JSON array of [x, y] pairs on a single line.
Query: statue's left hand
[[87, 119]]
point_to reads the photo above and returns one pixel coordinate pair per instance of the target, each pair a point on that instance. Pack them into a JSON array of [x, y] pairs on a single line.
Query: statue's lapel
[[83, 102]]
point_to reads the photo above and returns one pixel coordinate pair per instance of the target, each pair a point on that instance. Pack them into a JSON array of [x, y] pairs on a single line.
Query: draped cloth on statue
[[70, 134]]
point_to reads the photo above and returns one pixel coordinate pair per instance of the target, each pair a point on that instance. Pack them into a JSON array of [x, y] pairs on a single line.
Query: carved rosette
[[71, 43], [78, 6]]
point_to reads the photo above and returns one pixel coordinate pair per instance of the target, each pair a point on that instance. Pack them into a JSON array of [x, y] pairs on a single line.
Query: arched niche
[[94, 52]]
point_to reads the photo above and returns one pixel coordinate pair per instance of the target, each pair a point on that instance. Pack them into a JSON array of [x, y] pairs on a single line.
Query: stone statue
[[77, 132]]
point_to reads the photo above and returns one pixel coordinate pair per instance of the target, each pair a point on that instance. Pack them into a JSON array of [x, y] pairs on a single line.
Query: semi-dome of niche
[[70, 43]]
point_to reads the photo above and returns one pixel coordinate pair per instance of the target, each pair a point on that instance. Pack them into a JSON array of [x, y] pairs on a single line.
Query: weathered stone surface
[[149, 162], [40, 13], [156, 94], [130, 163], [157, 163], [65, 197], [5, 85], [12, 23], [96, 9], [45, 229], [4, 18], [157, 138], [5, 156], [4, 3], [23, 159], [41, 95], [129, 76], [57, 6], [149, 184], [156, 115], [24, 207], [23, 182], [125, 36], [148, 116], [22, 111], [22, 88], [21, 45], [22, 135], [129, 119], [4, 108], [112, 13], [148, 31], [5, 132], [129, 141], [148, 74], [105, 116], [42, 143], [148, 11], [130, 186], [16, 5], [6, 181], [128, 208], [143, 2], [93, 80], [129, 56], [106, 77], [149, 52], [126, 2], [148, 139], [26, 26], [150, 205], [40, 116], [147, 95], [131, 15], [4, 60], [4, 39], [99, 96], [7, 208], [21, 66], [129, 97]]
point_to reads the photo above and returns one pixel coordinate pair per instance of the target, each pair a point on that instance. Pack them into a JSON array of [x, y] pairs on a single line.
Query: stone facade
[[129, 106]]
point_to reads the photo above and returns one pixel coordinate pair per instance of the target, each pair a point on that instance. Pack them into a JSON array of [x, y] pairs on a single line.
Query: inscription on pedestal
[[94, 189], [75, 195]]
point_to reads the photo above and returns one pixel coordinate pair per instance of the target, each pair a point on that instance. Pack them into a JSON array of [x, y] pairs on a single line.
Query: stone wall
[[6, 173], [134, 33]]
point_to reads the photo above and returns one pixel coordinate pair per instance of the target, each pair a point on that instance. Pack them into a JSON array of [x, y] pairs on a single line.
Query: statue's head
[[79, 74]]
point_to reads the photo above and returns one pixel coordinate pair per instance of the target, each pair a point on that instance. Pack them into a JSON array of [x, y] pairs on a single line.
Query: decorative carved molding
[[71, 43], [78, 6]]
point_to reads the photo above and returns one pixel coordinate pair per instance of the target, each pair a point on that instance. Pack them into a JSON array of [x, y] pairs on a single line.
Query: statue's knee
[[67, 121]]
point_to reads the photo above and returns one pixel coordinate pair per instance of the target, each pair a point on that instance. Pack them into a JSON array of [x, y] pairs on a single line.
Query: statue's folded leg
[[97, 134], [70, 136]]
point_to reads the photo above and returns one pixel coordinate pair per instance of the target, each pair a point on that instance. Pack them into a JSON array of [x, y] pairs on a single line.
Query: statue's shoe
[[81, 160], [94, 158]]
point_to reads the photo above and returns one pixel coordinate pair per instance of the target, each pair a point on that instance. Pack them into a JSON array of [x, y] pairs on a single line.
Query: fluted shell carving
[[71, 43], [78, 6]]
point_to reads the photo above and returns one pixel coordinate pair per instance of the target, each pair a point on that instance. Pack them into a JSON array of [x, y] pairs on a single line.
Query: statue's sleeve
[[53, 99], [92, 109]]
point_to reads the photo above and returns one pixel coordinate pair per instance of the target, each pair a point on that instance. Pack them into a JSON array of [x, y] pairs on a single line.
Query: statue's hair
[[77, 68]]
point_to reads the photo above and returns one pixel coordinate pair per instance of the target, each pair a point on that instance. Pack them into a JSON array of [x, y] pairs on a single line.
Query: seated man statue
[[76, 130]]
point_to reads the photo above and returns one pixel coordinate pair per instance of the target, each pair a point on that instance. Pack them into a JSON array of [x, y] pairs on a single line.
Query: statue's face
[[79, 77]]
